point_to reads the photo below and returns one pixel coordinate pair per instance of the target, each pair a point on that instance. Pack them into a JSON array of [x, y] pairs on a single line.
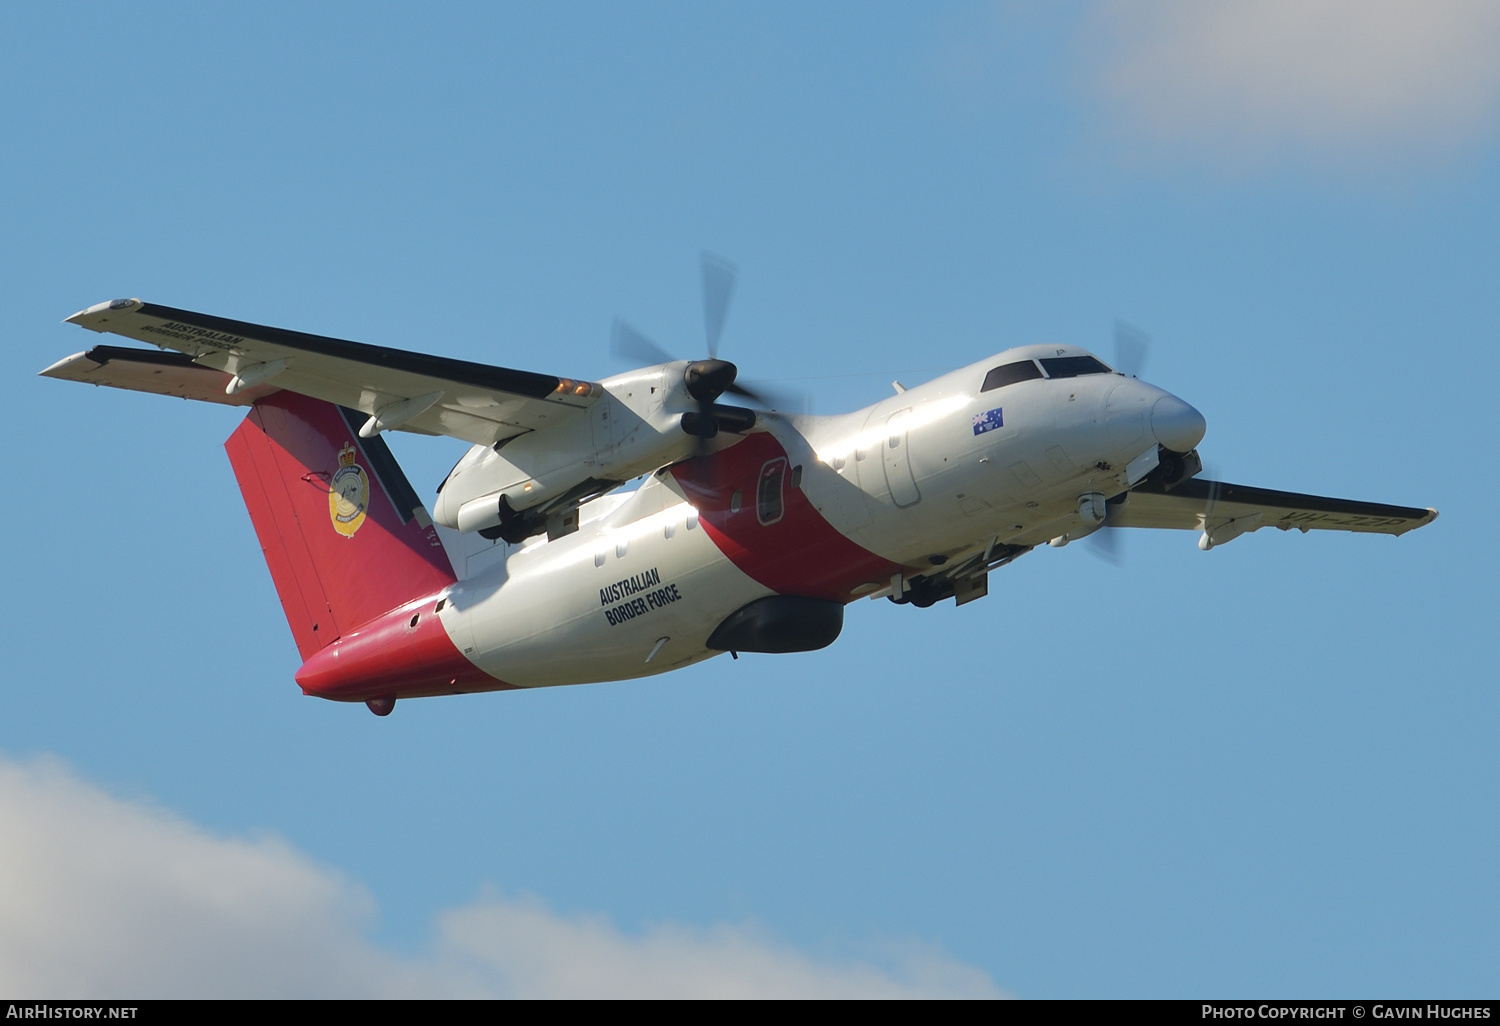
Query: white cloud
[[525, 950], [105, 897], [1338, 81]]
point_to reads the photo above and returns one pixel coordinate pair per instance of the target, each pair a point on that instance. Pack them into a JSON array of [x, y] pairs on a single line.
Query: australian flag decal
[[988, 421]]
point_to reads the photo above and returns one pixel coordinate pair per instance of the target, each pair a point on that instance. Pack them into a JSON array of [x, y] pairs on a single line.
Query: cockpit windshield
[[1056, 367], [1009, 374], [1072, 366]]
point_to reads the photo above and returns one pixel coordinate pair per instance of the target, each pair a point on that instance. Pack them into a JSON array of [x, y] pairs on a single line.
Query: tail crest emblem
[[348, 494]]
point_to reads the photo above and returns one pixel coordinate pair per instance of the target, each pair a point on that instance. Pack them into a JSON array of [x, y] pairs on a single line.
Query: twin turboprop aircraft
[[750, 532]]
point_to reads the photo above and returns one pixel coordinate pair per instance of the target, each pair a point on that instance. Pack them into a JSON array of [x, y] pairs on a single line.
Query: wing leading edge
[[1225, 511], [397, 388]]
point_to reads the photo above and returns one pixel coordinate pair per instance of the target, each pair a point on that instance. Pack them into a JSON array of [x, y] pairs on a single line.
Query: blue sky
[[1268, 769]]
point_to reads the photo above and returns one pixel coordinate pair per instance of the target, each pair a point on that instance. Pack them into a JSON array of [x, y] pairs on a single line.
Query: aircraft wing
[[1225, 511], [148, 370], [400, 389]]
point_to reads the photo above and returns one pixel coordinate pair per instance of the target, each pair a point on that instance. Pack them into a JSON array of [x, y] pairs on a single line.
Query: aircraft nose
[[1176, 424]]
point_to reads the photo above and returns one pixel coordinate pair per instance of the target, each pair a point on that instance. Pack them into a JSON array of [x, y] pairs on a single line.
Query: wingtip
[[69, 363], [110, 306]]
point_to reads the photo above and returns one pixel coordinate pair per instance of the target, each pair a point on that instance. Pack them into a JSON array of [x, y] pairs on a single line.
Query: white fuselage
[[919, 479]]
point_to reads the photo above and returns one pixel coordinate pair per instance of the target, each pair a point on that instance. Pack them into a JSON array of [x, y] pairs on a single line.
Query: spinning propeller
[[705, 380], [1132, 346]]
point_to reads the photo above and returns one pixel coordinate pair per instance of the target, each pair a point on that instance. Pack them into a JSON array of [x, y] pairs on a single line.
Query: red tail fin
[[342, 530]]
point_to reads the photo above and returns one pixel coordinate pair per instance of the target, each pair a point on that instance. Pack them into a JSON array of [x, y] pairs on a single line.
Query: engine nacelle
[[530, 482], [631, 430]]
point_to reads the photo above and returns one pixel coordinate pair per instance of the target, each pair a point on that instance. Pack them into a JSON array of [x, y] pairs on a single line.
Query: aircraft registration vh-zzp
[[750, 531]]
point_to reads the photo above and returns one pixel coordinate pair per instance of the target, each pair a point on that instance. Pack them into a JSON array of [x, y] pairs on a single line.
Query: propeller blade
[[1108, 543], [718, 290], [629, 344], [1132, 345], [1105, 543], [751, 394], [771, 399], [1211, 502]]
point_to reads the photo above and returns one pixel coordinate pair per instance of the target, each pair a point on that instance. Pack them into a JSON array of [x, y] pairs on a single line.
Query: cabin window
[[599, 558], [621, 548], [797, 476], [1072, 366], [692, 519], [768, 500], [735, 500], [669, 529], [1023, 370]]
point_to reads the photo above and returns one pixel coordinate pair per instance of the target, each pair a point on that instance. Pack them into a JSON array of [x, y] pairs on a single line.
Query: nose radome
[[1176, 424]]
